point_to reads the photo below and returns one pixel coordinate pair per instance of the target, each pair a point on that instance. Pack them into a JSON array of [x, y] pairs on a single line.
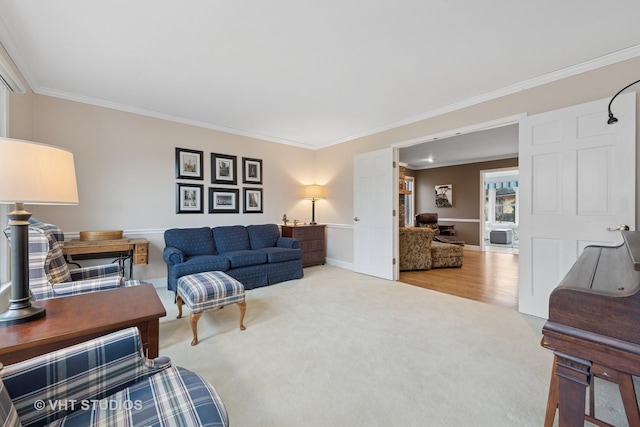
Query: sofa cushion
[[231, 238], [244, 258], [281, 254], [263, 236], [191, 241], [201, 263]]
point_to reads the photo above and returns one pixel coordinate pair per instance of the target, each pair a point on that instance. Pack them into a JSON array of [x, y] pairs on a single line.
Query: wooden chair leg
[[243, 309], [552, 400], [179, 303], [194, 326]]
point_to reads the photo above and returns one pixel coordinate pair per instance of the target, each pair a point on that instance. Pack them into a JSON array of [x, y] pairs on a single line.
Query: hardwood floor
[[489, 277]]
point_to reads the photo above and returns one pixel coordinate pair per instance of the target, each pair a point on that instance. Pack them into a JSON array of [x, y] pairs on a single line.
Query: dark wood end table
[[74, 319]]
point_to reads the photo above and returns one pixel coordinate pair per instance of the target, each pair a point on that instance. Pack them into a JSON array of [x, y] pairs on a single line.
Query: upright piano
[[594, 327]]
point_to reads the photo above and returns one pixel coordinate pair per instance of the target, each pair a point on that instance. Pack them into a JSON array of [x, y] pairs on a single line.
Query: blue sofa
[[255, 255]]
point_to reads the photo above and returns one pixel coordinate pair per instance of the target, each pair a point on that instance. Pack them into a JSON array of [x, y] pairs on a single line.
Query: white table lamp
[[313, 192], [30, 173]]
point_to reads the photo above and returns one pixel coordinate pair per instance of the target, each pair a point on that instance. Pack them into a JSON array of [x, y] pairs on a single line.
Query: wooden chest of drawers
[[312, 242]]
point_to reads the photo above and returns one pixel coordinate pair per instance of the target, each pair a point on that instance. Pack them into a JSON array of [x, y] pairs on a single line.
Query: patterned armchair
[[415, 248], [49, 273], [106, 382]]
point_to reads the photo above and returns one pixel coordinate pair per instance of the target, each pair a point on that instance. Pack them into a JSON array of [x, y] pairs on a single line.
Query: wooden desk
[[78, 318], [137, 250]]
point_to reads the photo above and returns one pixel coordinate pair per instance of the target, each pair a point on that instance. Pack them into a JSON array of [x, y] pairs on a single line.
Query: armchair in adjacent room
[[414, 247], [430, 220], [49, 273]]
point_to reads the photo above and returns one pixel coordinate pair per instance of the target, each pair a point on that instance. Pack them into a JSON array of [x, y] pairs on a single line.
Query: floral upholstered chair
[[414, 246], [49, 273]]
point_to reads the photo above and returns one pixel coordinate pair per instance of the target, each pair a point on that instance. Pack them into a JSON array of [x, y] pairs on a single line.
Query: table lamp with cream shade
[[313, 192], [30, 173]]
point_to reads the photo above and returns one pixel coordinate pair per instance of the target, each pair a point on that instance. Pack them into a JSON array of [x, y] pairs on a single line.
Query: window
[[505, 205], [409, 209], [501, 199]]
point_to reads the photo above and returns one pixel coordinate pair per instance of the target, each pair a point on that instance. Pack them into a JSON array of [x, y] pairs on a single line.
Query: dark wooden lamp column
[[30, 173], [313, 192]]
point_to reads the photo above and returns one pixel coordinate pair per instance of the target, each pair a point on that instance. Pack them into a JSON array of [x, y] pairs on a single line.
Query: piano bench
[[625, 384]]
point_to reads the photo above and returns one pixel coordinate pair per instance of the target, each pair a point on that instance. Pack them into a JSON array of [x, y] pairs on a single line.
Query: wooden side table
[[312, 242], [74, 319]]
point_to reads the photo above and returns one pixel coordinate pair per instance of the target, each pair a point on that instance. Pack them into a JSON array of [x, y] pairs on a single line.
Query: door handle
[[621, 227], [356, 219]]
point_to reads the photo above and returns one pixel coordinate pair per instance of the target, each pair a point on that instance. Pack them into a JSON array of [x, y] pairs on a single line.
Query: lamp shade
[[34, 173], [314, 192]]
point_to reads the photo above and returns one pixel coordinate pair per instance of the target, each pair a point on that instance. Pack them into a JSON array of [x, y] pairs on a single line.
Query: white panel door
[[577, 177], [373, 213]]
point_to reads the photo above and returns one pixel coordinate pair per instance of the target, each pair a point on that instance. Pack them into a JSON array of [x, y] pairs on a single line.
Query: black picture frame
[[189, 198], [251, 171], [224, 169], [224, 200], [252, 200], [189, 164]]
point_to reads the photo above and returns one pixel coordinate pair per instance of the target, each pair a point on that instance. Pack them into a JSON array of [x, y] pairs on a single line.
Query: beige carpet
[[343, 349]]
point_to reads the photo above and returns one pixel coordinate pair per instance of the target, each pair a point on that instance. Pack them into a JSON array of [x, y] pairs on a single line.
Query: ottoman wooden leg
[[243, 309], [179, 303], [194, 326]]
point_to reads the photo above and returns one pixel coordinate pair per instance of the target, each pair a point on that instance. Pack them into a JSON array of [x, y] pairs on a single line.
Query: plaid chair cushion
[[173, 397]]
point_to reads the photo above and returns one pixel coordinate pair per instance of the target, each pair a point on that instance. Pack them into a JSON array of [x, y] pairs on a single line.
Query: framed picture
[[188, 164], [444, 196], [252, 200], [223, 169], [251, 171], [223, 200], [189, 198]]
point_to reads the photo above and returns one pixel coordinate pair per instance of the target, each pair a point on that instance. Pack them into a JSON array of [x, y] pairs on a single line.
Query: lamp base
[[15, 316]]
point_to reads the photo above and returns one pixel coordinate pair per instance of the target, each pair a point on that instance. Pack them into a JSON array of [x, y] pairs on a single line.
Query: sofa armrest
[[94, 272], [172, 255], [53, 385], [288, 242]]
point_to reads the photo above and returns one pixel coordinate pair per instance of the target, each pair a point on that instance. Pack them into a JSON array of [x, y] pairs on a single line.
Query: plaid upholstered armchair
[[49, 273], [106, 382]]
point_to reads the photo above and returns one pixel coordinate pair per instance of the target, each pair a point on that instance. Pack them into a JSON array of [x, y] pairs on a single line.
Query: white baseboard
[[341, 264]]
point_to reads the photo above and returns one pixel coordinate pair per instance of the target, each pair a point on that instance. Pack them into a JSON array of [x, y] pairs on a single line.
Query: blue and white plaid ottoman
[[207, 291]]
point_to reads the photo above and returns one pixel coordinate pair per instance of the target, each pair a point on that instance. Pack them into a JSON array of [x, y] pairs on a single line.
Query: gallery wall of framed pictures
[[224, 197]]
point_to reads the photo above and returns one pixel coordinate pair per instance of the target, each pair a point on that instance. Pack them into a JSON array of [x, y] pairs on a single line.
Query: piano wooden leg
[[628, 393], [552, 400], [573, 380]]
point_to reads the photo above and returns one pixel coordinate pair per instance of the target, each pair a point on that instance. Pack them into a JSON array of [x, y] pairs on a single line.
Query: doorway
[[499, 213]]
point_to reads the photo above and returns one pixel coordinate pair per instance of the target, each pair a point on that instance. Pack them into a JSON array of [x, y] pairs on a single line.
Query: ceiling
[[481, 146], [309, 74]]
